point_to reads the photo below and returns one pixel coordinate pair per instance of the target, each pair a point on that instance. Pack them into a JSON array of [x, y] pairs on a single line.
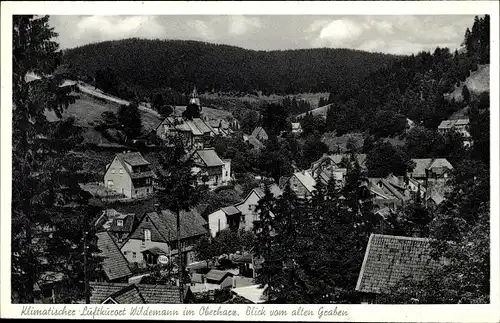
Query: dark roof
[[149, 294], [128, 295], [192, 225], [148, 173], [155, 251], [218, 275], [128, 224], [210, 157], [389, 259], [259, 131], [133, 158], [114, 263], [230, 210]]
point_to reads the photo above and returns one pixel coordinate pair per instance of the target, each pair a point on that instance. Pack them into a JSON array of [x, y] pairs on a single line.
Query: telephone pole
[[85, 263], [179, 260]]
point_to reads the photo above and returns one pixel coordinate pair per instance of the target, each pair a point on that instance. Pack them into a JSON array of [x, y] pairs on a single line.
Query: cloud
[[203, 29], [117, 27], [239, 25], [339, 32]]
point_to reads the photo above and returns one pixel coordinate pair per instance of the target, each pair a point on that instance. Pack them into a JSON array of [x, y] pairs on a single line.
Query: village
[[132, 245], [155, 203]]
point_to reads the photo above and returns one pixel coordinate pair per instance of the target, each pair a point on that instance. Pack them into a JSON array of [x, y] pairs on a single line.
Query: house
[[254, 294], [221, 278], [388, 260], [430, 169], [256, 143], [156, 234], [119, 225], [124, 293], [328, 162], [390, 191], [224, 218], [221, 127], [226, 170], [129, 174], [260, 134], [459, 125], [248, 207], [296, 128], [195, 133], [302, 183], [114, 265], [210, 169]]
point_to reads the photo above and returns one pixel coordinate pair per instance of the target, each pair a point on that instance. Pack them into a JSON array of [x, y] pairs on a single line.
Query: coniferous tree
[[47, 201], [129, 117], [179, 189]]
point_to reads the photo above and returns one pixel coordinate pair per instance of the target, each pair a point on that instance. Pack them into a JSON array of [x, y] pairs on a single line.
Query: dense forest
[[158, 64], [413, 87]]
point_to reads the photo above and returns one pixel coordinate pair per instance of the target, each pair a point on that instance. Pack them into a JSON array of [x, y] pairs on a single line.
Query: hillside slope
[[156, 64], [477, 82]]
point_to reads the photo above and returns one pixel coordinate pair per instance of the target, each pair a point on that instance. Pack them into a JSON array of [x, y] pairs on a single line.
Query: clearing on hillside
[[477, 82]]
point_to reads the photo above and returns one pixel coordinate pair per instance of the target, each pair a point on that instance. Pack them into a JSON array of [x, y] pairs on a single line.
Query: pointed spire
[[194, 97]]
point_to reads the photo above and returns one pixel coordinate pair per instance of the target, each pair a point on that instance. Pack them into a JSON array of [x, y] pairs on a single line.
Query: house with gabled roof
[[260, 134], [333, 161], [156, 235], [118, 224], [459, 125], [302, 183], [210, 169], [390, 259], [430, 168], [124, 293], [248, 206], [114, 265], [195, 133], [129, 174], [224, 218], [390, 191]]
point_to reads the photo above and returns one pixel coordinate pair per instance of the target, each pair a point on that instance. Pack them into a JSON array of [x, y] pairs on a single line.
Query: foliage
[[47, 201], [274, 119], [192, 111], [385, 159], [152, 65], [130, 118]]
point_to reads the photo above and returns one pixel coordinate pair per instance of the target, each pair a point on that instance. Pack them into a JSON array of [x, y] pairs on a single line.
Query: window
[[134, 255], [121, 170], [226, 174], [250, 207], [112, 170], [135, 191], [124, 253], [147, 235], [110, 183], [148, 180], [119, 223]]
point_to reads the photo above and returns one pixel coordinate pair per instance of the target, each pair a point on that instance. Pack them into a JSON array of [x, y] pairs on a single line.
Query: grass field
[[477, 82]]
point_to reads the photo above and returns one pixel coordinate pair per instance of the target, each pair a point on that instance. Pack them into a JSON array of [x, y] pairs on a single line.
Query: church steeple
[[193, 98]]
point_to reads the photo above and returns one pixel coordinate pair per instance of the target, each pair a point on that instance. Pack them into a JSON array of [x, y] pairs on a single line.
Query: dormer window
[[119, 223]]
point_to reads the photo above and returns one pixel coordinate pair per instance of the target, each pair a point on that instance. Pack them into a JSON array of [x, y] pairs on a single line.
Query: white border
[[380, 313]]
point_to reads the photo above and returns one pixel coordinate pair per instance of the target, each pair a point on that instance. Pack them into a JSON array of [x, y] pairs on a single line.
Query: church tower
[[194, 99]]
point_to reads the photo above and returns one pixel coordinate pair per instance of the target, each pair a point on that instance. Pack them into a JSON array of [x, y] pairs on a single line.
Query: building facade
[[129, 174]]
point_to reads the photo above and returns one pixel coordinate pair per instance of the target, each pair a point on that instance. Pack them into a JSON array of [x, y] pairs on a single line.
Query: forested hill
[[154, 64]]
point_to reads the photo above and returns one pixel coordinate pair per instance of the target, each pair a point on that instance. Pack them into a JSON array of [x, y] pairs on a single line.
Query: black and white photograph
[[250, 159]]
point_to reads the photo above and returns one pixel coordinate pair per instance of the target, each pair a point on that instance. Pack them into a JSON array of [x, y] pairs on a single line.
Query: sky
[[396, 34]]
